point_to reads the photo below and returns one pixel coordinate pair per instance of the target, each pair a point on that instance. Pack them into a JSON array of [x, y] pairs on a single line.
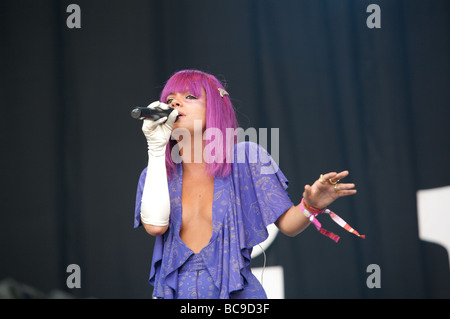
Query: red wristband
[[312, 213]]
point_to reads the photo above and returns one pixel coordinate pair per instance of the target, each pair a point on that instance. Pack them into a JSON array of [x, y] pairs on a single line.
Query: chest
[[197, 200]]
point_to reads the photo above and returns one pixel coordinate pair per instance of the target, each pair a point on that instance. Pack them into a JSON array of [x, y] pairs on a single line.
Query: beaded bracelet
[[311, 213]]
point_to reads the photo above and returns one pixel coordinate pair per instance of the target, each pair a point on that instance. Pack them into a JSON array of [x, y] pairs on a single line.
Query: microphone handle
[[146, 112]]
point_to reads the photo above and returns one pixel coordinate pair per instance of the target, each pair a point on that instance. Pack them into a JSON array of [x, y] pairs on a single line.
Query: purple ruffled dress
[[252, 197]]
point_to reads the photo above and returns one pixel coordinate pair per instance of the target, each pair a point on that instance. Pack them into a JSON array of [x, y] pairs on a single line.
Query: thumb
[[154, 104], [307, 192]]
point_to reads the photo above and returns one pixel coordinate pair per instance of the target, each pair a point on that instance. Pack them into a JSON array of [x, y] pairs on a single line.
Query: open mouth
[[180, 115]]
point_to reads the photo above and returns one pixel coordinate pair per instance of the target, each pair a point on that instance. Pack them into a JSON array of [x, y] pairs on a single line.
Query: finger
[[347, 192], [307, 192], [151, 124], [171, 118], [164, 106], [342, 186], [154, 104], [148, 124], [342, 175], [338, 177], [345, 189], [161, 120], [328, 176]]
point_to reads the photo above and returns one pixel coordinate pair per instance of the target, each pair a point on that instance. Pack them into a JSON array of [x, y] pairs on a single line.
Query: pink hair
[[219, 114]]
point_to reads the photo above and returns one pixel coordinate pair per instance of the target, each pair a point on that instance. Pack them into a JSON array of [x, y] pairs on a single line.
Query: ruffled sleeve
[[261, 190]]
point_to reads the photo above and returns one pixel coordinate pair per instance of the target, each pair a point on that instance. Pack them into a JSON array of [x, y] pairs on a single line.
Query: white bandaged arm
[[155, 203]]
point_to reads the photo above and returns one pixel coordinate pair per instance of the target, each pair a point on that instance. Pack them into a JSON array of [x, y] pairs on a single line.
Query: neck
[[194, 169], [192, 159], [191, 152]]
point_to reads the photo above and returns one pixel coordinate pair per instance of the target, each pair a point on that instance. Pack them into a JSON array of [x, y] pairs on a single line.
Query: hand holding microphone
[[157, 130]]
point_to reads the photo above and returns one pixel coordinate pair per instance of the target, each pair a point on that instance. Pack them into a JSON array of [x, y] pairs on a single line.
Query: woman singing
[[209, 199]]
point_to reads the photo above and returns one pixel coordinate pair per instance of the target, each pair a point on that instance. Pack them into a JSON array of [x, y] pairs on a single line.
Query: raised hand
[[327, 189], [158, 132]]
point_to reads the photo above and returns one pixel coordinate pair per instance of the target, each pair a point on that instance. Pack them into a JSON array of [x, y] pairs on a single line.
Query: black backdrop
[[373, 101]]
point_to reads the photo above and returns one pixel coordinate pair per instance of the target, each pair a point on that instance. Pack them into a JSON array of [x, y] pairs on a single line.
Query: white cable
[[264, 265]]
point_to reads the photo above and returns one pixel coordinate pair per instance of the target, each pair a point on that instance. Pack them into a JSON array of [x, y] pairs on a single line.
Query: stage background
[[344, 96]]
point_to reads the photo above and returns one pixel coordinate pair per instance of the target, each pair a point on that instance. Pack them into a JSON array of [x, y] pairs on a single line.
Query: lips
[[180, 115]]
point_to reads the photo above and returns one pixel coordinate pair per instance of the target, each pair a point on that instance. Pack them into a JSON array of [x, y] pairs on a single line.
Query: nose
[[174, 104]]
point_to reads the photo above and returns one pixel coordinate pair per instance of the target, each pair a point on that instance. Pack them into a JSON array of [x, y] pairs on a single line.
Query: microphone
[[154, 114]]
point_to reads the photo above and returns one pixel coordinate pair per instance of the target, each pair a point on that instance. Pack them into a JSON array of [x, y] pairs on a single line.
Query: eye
[[191, 97], [169, 101]]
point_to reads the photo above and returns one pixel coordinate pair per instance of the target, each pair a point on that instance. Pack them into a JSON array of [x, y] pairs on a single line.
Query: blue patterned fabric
[[252, 197], [195, 282]]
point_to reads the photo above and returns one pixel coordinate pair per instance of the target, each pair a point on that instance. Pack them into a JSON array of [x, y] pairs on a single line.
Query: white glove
[[155, 203], [157, 132]]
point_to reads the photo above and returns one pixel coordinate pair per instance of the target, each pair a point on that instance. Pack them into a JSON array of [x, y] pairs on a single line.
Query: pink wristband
[[311, 213]]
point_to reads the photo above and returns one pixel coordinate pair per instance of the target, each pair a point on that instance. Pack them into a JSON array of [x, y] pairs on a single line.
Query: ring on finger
[[335, 187], [333, 183], [321, 179]]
